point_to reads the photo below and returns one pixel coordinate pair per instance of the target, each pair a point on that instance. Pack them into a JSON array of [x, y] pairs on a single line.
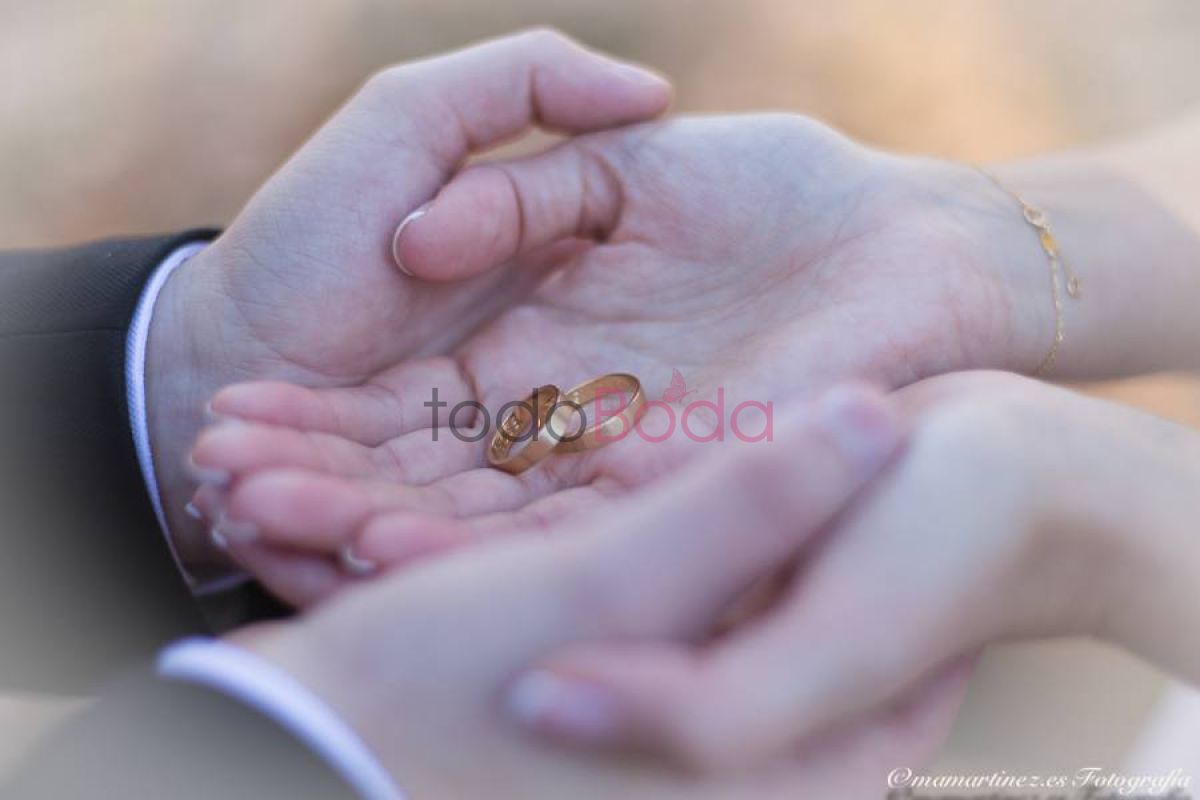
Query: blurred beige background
[[127, 116]]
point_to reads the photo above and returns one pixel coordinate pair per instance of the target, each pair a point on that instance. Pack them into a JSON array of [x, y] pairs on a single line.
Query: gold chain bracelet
[[1037, 218]]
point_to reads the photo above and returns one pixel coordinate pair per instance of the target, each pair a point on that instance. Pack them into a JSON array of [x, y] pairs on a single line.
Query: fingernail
[[548, 702], [411, 218], [354, 565], [192, 511], [859, 422], [231, 531], [640, 76], [215, 477], [213, 417], [218, 539]]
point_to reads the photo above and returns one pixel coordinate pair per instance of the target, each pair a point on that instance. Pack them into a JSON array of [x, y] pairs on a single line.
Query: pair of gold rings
[[554, 421]]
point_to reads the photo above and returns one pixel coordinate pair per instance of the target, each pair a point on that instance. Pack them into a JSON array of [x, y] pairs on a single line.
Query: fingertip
[[208, 501], [225, 450], [275, 402], [208, 450], [614, 697], [193, 511], [564, 707], [861, 420], [400, 255], [354, 564], [299, 579], [298, 508], [229, 400], [580, 89], [650, 93], [400, 539], [473, 224], [204, 466]]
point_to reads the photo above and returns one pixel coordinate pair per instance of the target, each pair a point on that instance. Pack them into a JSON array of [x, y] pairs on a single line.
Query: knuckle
[[975, 434], [388, 79], [602, 192], [544, 37], [779, 499]]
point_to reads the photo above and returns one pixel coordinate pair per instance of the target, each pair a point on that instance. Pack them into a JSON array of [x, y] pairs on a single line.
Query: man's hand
[[761, 257], [303, 286], [422, 663]]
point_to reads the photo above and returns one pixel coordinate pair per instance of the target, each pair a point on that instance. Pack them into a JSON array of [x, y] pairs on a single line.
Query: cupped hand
[[1009, 514], [751, 259], [304, 286], [424, 663]]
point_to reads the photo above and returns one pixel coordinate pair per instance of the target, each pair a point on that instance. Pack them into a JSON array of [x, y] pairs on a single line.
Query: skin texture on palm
[[303, 287], [420, 661], [764, 256]]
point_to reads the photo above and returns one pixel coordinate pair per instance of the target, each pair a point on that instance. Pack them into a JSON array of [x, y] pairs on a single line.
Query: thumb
[[493, 212]]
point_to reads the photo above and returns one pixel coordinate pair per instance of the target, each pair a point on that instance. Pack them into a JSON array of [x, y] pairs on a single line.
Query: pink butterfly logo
[[677, 390]]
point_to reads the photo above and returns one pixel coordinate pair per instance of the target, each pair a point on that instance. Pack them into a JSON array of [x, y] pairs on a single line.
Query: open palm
[[761, 258], [303, 286]]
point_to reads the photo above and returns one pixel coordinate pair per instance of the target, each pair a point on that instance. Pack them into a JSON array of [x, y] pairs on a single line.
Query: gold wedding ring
[[599, 432], [524, 420], [544, 421]]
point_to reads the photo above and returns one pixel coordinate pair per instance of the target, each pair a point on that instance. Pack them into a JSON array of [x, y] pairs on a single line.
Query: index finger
[[464, 101]]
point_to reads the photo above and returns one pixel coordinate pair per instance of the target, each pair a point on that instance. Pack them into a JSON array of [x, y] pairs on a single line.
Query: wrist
[[1119, 559], [327, 668], [1145, 567], [984, 230], [1134, 261], [238, 667], [183, 367]]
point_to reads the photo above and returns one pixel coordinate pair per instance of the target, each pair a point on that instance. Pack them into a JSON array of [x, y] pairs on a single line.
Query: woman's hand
[[1016, 510], [421, 663], [760, 257]]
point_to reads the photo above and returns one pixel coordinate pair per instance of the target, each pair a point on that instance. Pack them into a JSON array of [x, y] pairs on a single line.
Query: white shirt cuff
[[274, 693], [135, 386]]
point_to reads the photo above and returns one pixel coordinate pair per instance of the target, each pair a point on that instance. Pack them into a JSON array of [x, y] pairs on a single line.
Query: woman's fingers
[[316, 510], [298, 579], [223, 452], [395, 539], [317, 491], [413, 396]]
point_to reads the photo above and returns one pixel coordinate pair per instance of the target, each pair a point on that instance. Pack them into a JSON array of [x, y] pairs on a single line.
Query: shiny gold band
[[598, 433], [520, 423]]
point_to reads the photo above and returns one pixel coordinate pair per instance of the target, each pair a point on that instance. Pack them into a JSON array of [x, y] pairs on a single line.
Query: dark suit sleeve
[[87, 583], [152, 739]]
